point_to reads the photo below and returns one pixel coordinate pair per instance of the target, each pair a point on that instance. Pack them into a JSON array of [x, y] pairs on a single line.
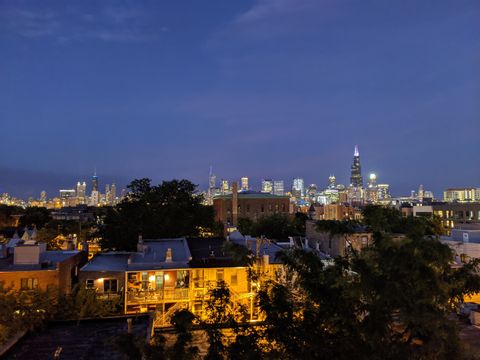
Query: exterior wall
[[337, 245], [100, 276], [45, 278], [338, 212], [252, 208], [453, 214], [61, 278], [69, 271]]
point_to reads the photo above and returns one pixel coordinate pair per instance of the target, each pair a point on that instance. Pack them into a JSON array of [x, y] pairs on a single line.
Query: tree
[[392, 300], [276, 226], [171, 209], [33, 215]]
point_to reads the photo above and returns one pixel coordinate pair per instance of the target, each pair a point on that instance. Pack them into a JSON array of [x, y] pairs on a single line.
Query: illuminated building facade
[[244, 183], [278, 188], [267, 186], [298, 188], [166, 275], [461, 195]]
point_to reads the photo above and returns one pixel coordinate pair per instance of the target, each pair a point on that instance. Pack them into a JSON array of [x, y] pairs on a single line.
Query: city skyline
[[228, 84], [245, 182]]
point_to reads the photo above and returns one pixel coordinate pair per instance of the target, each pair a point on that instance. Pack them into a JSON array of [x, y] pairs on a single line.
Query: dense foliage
[[28, 310], [171, 209], [395, 299], [276, 226]]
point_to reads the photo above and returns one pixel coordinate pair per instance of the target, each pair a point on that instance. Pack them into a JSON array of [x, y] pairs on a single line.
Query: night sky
[[266, 88]]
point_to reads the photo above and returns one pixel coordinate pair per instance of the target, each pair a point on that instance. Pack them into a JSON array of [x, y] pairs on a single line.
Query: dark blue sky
[[264, 88]]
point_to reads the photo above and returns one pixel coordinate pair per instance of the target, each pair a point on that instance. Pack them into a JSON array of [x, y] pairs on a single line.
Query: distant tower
[[95, 181], [43, 196], [113, 194], [372, 181], [421, 193], [332, 182], [244, 181], [312, 191], [212, 184], [225, 187], [298, 188], [278, 188], [267, 186], [356, 176]]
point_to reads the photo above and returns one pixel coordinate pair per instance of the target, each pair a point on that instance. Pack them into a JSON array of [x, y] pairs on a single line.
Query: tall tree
[[171, 209]]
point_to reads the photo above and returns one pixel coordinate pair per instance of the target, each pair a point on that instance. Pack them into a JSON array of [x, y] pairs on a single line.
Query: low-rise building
[[338, 245], [33, 267], [165, 275], [248, 204]]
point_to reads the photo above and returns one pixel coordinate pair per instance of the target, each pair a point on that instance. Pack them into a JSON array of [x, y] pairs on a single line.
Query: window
[[220, 275], [144, 280], [198, 278], [89, 284], [110, 285], [364, 241], [28, 283], [234, 279]]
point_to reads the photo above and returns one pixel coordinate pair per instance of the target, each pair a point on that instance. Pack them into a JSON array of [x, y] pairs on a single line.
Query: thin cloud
[[263, 9], [110, 24]]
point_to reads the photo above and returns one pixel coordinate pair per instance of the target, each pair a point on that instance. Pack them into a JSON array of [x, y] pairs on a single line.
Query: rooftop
[[48, 261], [252, 195]]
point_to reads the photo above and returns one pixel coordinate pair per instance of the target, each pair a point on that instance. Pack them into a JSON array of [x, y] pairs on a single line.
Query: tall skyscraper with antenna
[[95, 181], [356, 179]]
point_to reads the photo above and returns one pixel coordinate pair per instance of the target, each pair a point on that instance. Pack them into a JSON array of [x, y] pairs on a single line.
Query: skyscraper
[[225, 187], [356, 179], [95, 181], [81, 189], [113, 194], [278, 188], [332, 182], [244, 183], [267, 186], [212, 184], [298, 188]]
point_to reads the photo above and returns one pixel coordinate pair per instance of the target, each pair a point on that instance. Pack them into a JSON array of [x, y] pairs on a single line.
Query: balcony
[[149, 296]]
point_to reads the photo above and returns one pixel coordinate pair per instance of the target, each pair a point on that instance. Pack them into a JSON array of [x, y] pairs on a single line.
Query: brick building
[[248, 204]]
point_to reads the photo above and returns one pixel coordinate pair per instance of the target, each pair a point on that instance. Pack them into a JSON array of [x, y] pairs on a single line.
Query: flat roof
[[252, 195], [48, 261]]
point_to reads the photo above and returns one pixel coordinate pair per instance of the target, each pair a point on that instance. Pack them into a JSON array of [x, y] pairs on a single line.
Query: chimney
[[266, 259], [140, 243], [169, 255], [234, 203]]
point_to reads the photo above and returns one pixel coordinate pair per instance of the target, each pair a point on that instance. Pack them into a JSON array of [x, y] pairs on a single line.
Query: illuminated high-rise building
[[278, 187], [95, 181], [212, 184], [267, 186], [356, 179], [43, 196], [298, 188], [81, 189], [113, 194], [383, 191], [244, 182], [225, 187], [372, 190], [312, 191], [332, 182]]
